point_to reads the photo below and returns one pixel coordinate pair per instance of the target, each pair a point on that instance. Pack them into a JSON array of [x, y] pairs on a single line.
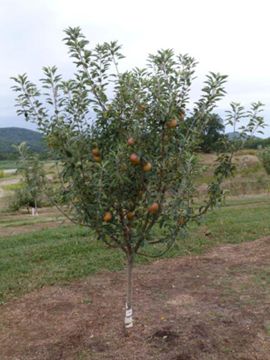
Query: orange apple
[[147, 167], [130, 215], [134, 158], [172, 124], [95, 152], [153, 209], [107, 217], [97, 158]]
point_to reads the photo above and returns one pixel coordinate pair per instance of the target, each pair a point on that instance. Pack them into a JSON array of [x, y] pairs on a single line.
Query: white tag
[[128, 318], [128, 322], [128, 325]]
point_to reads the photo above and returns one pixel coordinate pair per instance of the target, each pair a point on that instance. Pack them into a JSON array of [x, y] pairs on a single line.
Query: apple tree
[[32, 173], [127, 160]]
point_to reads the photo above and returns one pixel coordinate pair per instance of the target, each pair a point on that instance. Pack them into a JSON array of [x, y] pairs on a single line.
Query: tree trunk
[[34, 209], [128, 316]]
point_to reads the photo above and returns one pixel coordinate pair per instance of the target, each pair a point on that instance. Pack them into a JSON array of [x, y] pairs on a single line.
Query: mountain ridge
[[10, 136]]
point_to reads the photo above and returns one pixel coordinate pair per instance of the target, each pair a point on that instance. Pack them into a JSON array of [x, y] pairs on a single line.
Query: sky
[[226, 36]]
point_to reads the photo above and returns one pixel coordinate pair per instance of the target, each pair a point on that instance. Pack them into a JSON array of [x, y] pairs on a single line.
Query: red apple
[[134, 158], [153, 209]]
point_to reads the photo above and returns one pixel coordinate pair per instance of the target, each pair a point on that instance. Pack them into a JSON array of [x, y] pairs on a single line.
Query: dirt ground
[[210, 307]]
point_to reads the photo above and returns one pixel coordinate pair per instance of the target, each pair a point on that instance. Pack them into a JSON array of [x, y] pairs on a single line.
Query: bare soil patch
[[210, 307]]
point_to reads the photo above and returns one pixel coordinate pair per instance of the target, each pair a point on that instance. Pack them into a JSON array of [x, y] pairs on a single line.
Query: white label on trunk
[[128, 318]]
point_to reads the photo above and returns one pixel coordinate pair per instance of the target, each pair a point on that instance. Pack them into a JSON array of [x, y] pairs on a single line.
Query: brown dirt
[[210, 307]]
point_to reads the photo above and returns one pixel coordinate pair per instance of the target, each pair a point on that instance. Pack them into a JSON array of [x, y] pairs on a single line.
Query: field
[[62, 292], [7, 164]]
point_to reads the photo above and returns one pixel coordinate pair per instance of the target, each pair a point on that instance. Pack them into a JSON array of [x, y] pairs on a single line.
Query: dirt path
[[210, 307], [9, 181]]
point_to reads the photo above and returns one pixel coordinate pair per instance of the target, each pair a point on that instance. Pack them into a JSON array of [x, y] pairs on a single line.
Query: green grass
[[250, 175], [12, 187], [29, 220], [239, 220], [7, 164], [57, 256], [50, 256]]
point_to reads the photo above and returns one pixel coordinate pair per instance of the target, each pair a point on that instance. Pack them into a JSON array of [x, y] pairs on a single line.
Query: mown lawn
[[59, 255], [7, 164]]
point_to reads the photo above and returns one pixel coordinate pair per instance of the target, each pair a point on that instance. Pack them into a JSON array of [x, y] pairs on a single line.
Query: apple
[[107, 217], [96, 152], [147, 167], [172, 124], [182, 220], [131, 141], [97, 158], [134, 158], [153, 209], [130, 215]]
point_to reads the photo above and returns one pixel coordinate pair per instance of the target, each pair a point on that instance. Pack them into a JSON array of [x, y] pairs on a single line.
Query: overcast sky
[[228, 36]]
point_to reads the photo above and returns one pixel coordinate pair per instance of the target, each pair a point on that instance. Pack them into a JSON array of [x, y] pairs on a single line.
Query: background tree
[[32, 179], [264, 156], [213, 134], [127, 164]]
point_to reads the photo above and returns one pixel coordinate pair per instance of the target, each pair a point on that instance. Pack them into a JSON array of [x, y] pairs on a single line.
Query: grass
[[8, 164], [240, 220], [12, 187], [29, 220], [57, 256], [51, 256], [250, 176]]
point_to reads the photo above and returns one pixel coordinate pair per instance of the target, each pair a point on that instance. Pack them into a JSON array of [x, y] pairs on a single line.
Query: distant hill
[[13, 136], [251, 142], [236, 135]]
